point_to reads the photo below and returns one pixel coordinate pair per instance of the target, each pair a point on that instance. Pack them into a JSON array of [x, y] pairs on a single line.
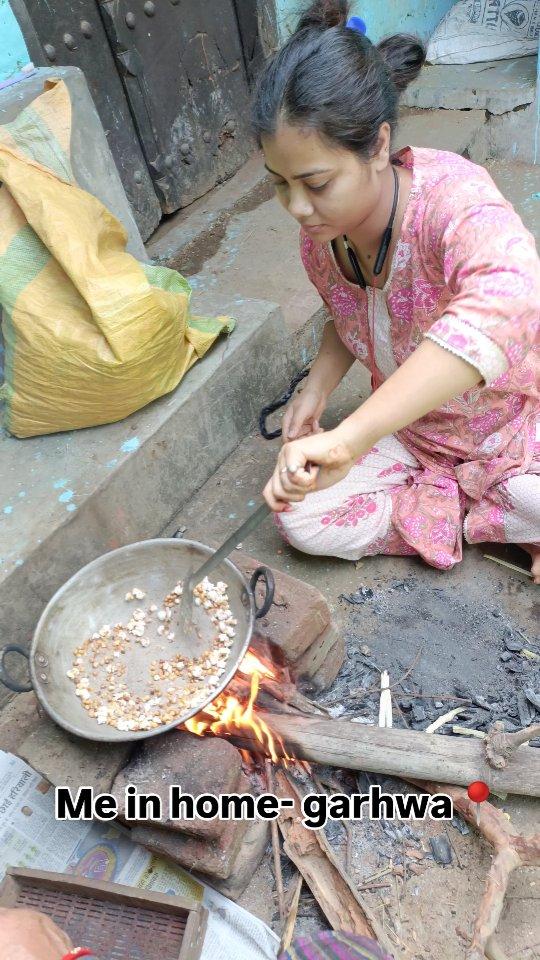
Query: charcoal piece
[[516, 666], [473, 720], [410, 834], [482, 703], [405, 705], [402, 585], [462, 691], [525, 710], [459, 824], [495, 613], [532, 697], [441, 849], [388, 830], [419, 713], [512, 644], [333, 831], [438, 705], [506, 656], [359, 597]]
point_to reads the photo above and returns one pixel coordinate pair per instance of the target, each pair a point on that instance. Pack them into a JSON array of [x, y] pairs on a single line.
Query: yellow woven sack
[[91, 334]]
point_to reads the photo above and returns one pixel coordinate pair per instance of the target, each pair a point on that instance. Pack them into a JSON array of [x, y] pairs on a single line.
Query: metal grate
[[114, 931]]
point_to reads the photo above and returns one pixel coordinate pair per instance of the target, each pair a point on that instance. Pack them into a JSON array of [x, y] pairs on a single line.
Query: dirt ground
[[461, 621]]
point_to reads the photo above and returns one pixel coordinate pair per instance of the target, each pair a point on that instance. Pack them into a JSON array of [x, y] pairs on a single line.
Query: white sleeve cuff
[[471, 345]]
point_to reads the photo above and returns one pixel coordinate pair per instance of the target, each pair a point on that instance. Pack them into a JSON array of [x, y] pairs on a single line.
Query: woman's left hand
[[310, 463]]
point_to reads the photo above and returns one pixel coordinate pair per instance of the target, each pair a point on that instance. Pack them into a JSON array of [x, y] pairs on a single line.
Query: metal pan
[[95, 595]]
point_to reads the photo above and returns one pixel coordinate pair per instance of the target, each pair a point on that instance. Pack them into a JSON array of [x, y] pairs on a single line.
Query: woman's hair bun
[[325, 14], [403, 56]]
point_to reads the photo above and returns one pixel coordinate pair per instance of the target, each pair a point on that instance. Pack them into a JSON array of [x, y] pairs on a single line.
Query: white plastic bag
[[474, 31]]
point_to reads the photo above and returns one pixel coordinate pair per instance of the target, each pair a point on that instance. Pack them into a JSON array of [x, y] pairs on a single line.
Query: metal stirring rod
[[185, 610]]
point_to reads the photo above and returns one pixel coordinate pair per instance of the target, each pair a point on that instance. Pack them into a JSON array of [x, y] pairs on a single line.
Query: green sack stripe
[[166, 279], [24, 259], [212, 324], [7, 388], [36, 140]]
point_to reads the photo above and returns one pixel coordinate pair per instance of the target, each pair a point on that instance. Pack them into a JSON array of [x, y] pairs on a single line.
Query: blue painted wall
[[419, 17], [13, 52]]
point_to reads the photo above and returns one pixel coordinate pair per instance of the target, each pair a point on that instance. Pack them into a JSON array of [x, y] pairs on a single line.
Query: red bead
[[478, 791]]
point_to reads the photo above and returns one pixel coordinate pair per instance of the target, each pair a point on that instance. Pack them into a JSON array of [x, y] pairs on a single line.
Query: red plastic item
[[78, 952], [478, 791]]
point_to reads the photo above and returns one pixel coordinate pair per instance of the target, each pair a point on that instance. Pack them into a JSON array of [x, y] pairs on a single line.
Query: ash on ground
[[441, 651]]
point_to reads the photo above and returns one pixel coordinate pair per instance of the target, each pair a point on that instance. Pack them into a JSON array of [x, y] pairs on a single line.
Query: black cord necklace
[[385, 242]]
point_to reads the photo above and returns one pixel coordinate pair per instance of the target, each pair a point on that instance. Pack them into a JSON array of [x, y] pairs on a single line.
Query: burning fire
[[226, 713], [251, 664]]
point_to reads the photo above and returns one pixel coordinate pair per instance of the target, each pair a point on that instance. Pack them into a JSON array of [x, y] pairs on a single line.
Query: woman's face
[[327, 189]]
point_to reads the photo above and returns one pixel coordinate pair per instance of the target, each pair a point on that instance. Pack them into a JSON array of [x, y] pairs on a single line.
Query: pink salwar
[[465, 274]]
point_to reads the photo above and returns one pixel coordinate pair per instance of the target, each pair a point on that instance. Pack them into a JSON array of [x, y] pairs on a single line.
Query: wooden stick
[[288, 693], [290, 924], [275, 846], [310, 851], [494, 951], [512, 850], [501, 746], [440, 721], [402, 753], [468, 732], [511, 566]]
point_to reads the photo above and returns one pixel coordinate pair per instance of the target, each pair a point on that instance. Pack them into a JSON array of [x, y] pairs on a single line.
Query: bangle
[[76, 953]]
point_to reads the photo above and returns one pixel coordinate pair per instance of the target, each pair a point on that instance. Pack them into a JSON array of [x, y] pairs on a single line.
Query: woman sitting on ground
[[432, 282]]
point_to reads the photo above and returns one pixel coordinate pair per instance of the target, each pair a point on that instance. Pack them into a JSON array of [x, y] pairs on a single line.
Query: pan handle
[[4, 675], [263, 573]]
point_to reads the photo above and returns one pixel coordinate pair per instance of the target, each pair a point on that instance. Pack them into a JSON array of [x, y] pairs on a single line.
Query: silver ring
[[290, 470]]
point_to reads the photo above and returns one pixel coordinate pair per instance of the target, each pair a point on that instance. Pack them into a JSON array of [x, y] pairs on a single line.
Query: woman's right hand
[[301, 417]]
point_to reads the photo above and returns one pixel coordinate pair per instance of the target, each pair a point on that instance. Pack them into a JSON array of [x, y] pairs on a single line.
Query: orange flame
[[252, 664], [226, 714]]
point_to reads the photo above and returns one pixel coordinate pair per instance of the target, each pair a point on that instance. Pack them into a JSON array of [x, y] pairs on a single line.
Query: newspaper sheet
[[30, 836]]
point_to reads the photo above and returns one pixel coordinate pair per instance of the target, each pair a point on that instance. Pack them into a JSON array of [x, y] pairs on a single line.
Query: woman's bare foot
[[533, 549]]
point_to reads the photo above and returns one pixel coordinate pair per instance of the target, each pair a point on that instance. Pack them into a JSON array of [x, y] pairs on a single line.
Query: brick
[[197, 764], [66, 760], [17, 720], [321, 663], [212, 857], [249, 856], [299, 618]]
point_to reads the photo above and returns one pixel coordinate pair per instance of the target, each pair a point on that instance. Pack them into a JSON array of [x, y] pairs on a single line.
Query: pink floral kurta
[[466, 274]]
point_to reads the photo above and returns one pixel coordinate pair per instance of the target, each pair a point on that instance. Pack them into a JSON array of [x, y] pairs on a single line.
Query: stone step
[[520, 184], [498, 86], [439, 129]]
